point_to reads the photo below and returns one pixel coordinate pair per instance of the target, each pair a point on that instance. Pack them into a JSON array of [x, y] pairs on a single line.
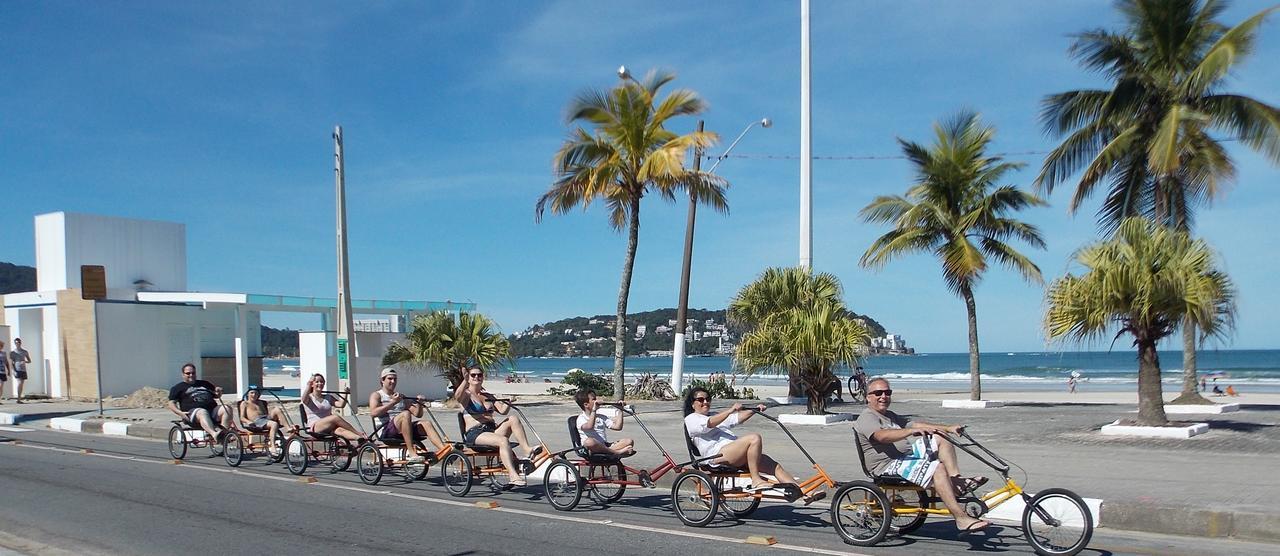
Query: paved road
[[125, 498]]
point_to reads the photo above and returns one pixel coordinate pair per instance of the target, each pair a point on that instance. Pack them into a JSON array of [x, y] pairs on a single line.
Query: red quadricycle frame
[[606, 477], [305, 446], [243, 442], [463, 464]]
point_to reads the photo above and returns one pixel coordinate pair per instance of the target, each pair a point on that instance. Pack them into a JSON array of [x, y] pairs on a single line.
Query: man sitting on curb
[[888, 451], [196, 401]]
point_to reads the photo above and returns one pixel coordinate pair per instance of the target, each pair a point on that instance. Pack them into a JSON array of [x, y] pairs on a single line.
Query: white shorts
[[192, 415], [920, 465]]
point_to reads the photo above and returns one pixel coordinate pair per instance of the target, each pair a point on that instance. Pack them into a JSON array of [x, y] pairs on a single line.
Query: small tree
[[1146, 281], [451, 344], [798, 325]]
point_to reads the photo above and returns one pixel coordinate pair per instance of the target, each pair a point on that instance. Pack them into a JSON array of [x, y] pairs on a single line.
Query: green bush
[[720, 389], [577, 378]]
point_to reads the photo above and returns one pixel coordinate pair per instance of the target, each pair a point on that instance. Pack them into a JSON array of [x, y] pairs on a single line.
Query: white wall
[[143, 344], [316, 355], [129, 249]]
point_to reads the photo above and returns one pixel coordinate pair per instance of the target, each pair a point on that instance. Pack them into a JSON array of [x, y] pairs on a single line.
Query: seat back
[[302, 413], [862, 458], [575, 436], [688, 443], [462, 425]]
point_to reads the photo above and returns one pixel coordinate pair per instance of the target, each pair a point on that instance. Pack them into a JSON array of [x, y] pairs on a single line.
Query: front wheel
[[563, 485], [1057, 522], [296, 457], [417, 471], [275, 446], [857, 391], [369, 464], [456, 473], [694, 499], [737, 505], [860, 513], [233, 449], [177, 442], [611, 489], [340, 454]]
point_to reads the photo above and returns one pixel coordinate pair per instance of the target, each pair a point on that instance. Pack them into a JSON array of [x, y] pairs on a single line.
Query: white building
[[149, 325], [641, 329]]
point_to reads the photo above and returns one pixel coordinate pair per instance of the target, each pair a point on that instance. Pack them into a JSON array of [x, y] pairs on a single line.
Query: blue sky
[[219, 115]]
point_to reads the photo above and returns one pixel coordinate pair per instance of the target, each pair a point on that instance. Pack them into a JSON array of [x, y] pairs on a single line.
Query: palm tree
[[957, 211], [1145, 280], [453, 345], [797, 324], [629, 153], [1149, 136]]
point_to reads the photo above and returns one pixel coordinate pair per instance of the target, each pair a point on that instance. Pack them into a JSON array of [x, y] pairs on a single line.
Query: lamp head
[[766, 123], [623, 72]]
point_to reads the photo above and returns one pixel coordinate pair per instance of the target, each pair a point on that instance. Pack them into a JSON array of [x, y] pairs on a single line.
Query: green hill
[[17, 278]]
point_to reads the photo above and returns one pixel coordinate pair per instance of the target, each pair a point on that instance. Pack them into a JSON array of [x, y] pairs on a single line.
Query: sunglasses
[[880, 393], [475, 375], [701, 399]]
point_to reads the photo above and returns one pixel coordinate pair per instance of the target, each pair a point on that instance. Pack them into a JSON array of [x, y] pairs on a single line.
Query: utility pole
[[346, 357], [677, 351], [806, 144]]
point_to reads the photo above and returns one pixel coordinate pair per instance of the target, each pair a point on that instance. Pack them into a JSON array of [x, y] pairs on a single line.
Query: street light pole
[[677, 351], [806, 145]]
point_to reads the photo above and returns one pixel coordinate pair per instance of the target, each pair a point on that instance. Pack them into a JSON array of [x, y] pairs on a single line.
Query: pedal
[[645, 480], [815, 497]]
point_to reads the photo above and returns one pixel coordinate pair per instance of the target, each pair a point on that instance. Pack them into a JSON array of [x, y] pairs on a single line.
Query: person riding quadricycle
[[487, 450], [202, 419], [397, 437], [322, 436], [258, 431]]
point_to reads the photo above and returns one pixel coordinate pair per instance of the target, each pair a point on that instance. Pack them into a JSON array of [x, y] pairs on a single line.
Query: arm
[[460, 393], [243, 413], [376, 409], [590, 421], [173, 406], [341, 401], [926, 426], [615, 423], [720, 417], [506, 406]]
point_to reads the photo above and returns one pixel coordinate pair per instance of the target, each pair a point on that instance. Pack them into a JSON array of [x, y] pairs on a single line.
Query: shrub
[[578, 378], [721, 389]]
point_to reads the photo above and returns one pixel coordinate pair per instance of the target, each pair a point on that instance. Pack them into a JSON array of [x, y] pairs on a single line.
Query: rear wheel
[[694, 499], [417, 471], [275, 446], [859, 513], [233, 449], [607, 492], [177, 442], [456, 472], [296, 457], [1057, 522], [902, 501], [340, 454], [369, 464], [736, 505], [562, 485]]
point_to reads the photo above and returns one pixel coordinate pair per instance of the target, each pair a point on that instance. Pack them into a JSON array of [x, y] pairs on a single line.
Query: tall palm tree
[[1144, 281], [451, 344], [1151, 136], [797, 324], [957, 211], [628, 153]]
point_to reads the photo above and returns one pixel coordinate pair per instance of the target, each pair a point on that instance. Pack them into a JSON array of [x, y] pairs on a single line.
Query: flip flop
[[761, 487], [519, 483], [970, 484], [974, 528]]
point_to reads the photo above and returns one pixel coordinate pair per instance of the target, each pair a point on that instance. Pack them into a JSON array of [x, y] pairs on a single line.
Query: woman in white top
[[711, 435], [593, 427], [318, 407]]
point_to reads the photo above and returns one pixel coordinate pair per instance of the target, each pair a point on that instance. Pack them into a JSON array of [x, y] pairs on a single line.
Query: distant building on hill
[[890, 344]]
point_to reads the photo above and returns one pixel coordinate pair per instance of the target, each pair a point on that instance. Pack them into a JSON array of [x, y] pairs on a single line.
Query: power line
[[850, 157]]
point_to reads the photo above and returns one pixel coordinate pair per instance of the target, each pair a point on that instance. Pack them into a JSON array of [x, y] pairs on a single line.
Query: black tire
[[340, 454], [498, 481], [607, 493], [369, 464], [860, 513], [857, 393], [562, 485], [456, 473], [906, 523], [735, 506], [233, 449], [275, 446], [417, 471], [177, 442], [215, 446], [1068, 527], [694, 499], [296, 457]]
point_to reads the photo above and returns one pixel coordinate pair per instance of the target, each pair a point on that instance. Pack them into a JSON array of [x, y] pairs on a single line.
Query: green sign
[[342, 358]]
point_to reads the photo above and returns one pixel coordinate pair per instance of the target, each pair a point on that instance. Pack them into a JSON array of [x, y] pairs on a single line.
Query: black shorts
[[474, 432], [20, 375]]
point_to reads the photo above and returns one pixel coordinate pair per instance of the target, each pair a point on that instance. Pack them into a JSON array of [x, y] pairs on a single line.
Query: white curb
[[115, 429], [1155, 432], [1195, 409], [66, 424], [971, 404], [803, 419], [9, 418], [783, 400]]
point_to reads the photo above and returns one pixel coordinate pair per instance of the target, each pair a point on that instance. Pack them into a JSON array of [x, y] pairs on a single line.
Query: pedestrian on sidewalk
[[18, 359], [4, 369]]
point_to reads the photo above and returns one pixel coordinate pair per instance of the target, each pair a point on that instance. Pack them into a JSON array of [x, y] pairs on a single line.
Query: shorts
[[215, 414], [3, 377], [390, 430], [474, 432], [919, 466], [20, 375], [260, 423]]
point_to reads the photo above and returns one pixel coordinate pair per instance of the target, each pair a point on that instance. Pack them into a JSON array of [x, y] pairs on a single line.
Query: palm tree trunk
[[975, 366], [624, 291], [1190, 379], [1150, 393]]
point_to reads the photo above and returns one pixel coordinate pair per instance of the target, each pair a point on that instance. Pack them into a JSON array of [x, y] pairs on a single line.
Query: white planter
[[66, 424], [802, 419], [8, 418], [1199, 409], [1116, 429], [115, 429], [971, 404]]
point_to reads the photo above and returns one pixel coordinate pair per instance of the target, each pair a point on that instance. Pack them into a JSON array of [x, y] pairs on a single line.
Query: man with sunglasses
[[197, 402], [890, 449]]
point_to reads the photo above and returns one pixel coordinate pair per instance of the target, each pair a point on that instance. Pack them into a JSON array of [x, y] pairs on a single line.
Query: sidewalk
[[1208, 486]]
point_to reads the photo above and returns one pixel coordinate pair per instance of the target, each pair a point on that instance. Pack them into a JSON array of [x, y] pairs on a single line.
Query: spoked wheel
[[177, 443], [456, 472], [562, 485], [1057, 522], [369, 464], [416, 471], [275, 446], [860, 513], [694, 499], [736, 505], [296, 457], [499, 481], [340, 454], [233, 449], [856, 392], [215, 447], [904, 521], [607, 493]]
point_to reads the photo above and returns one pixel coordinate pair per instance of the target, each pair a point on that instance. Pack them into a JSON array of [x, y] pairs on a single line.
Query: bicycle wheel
[[296, 457], [215, 446], [233, 449], [859, 513], [1057, 522], [177, 442], [736, 505], [694, 499], [417, 471], [341, 452], [562, 485], [275, 446], [609, 492], [456, 472], [498, 480], [901, 500], [369, 464]]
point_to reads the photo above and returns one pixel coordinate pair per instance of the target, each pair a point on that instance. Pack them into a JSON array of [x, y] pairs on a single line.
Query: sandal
[[969, 484], [974, 528]]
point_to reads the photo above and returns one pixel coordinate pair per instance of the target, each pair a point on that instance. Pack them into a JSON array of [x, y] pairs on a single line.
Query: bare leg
[[504, 452], [430, 431], [947, 491], [404, 422], [768, 465], [511, 427], [337, 425], [745, 451], [206, 423]]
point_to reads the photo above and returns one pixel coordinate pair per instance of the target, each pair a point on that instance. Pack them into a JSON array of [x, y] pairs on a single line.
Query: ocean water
[[1252, 370]]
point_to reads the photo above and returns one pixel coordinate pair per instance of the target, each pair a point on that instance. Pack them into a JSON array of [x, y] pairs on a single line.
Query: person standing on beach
[[1071, 385], [18, 359]]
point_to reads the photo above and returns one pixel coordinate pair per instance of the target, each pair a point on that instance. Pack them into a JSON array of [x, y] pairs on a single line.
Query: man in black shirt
[[197, 402]]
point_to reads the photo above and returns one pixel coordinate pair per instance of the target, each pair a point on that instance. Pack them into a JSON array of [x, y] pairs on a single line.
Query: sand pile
[[143, 398]]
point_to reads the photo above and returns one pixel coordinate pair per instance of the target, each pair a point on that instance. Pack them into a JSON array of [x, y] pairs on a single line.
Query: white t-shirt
[[599, 430], [709, 440]]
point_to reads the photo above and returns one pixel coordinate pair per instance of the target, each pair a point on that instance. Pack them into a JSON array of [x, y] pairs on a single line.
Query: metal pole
[[806, 146], [677, 351], [97, 347], [345, 323]]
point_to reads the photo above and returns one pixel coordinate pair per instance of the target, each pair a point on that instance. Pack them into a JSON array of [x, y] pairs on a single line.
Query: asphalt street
[[126, 497]]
